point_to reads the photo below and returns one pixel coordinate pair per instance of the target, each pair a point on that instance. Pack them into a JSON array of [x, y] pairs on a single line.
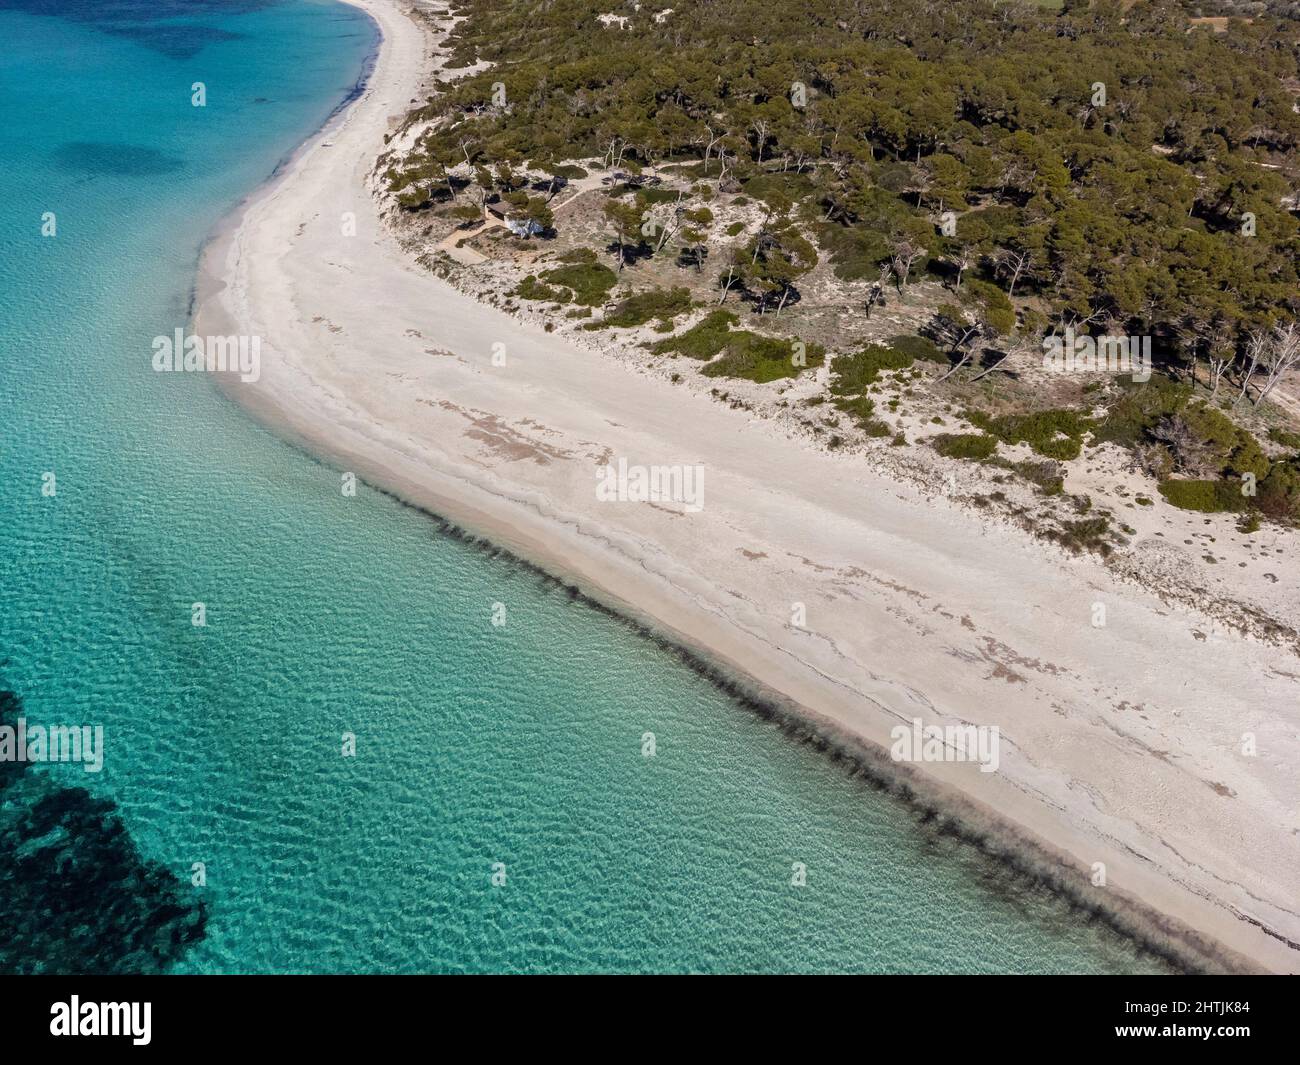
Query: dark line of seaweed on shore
[[860, 760], [940, 814]]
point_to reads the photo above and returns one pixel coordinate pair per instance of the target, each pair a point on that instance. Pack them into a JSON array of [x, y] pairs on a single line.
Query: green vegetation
[[1085, 534], [1054, 434], [579, 255], [1285, 437], [780, 191], [532, 289], [1279, 492], [767, 268], [965, 445], [919, 348], [900, 117], [744, 354], [646, 197], [1171, 433], [991, 303], [1048, 477], [658, 303], [703, 340], [862, 410], [582, 281], [1139, 408], [851, 374], [762, 359], [1209, 497], [589, 282]]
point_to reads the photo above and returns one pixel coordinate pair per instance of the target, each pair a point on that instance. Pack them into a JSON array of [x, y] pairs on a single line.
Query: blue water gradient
[[476, 744]]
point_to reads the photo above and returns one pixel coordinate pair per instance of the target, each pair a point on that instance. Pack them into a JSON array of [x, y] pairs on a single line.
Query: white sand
[[1121, 744]]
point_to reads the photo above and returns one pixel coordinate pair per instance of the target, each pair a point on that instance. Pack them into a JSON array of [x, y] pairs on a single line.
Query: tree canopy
[[1105, 162]]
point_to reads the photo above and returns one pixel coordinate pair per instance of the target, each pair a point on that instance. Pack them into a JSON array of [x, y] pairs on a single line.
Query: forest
[[1107, 167]]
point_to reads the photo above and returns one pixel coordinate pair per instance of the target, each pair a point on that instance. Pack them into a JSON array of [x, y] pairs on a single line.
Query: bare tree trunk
[[960, 363], [1218, 367], [1281, 354], [1252, 355], [963, 360]]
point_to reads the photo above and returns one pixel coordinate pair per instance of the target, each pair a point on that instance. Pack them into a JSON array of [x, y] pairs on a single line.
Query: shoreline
[[474, 454]]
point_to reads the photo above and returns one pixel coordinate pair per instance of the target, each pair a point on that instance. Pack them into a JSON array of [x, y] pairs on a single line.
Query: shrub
[[919, 348], [975, 446], [1054, 434], [1087, 534], [860, 409], [1235, 450], [589, 281], [761, 359], [579, 255], [854, 373], [997, 308], [851, 374], [1279, 492], [703, 340], [650, 197], [532, 289], [745, 354], [1284, 437], [1207, 497], [638, 309], [1049, 477], [1139, 408], [779, 191]]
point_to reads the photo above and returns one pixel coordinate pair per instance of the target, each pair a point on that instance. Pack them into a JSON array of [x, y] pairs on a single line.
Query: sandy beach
[[844, 598]]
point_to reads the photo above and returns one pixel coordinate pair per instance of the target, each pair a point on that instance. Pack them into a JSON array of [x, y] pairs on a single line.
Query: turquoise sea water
[[476, 744]]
